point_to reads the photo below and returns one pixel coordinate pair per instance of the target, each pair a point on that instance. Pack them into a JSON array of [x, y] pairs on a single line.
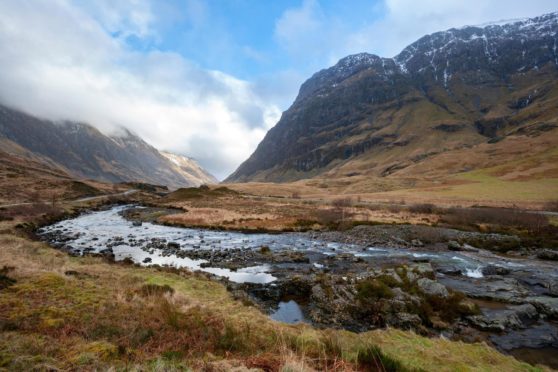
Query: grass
[[144, 318], [482, 185]]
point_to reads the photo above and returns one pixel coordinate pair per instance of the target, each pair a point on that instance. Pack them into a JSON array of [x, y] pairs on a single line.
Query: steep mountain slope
[[467, 91], [83, 152], [190, 169]]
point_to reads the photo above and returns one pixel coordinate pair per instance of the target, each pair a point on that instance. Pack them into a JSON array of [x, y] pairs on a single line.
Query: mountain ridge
[[450, 89], [84, 152]]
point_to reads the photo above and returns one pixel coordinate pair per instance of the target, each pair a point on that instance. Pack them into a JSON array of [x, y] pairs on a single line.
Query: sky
[[205, 79]]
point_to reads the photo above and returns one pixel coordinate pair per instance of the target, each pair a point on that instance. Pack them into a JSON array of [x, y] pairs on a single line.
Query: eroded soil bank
[[364, 278]]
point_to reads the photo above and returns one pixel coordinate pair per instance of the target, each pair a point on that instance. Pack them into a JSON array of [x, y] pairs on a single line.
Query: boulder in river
[[545, 305], [552, 286], [548, 254], [495, 270], [173, 245], [454, 246]]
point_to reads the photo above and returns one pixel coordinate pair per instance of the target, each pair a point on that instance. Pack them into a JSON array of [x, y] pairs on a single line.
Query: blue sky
[[205, 79], [239, 36]]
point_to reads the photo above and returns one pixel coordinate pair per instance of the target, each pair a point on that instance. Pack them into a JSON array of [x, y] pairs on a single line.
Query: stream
[[92, 232], [238, 258]]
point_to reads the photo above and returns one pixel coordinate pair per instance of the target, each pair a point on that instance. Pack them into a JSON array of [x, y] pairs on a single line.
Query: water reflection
[[288, 312]]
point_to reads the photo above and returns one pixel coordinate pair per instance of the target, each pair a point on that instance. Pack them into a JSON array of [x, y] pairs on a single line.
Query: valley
[[240, 279], [401, 215]]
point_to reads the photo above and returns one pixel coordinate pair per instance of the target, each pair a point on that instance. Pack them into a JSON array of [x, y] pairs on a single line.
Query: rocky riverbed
[[411, 277]]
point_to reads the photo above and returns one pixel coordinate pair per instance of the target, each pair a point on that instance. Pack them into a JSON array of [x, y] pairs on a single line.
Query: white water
[[93, 231], [474, 273]]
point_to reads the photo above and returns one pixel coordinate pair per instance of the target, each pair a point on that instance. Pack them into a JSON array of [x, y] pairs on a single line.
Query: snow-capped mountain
[[448, 90], [508, 48]]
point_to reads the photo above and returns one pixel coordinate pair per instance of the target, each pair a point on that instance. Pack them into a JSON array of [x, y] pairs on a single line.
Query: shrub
[[330, 217], [30, 210], [155, 290], [394, 208], [371, 358], [372, 289], [551, 206], [342, 202], [452, 307], [503, 217], [5, 280], [424, 208]]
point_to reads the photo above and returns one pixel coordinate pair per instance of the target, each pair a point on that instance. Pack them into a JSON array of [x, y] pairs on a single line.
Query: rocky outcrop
[[515, 317], [548, 254], [432, 288]]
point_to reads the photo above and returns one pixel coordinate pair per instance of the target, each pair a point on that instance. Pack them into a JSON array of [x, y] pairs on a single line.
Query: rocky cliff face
[[446, 91], [84, 152]]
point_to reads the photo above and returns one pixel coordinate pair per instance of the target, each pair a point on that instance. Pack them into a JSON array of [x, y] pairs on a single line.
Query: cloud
[[318, 37], [109, 63], [299, 28], [60, 61], [407, 20]]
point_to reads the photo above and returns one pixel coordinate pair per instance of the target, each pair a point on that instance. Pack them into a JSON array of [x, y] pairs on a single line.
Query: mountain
[[450, 102], [83, 152], [190, 169]]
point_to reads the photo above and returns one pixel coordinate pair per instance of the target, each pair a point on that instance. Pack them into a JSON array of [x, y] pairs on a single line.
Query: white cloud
[[299, 28], [124, 17], [60, 62], [316, 37], [407, 20]]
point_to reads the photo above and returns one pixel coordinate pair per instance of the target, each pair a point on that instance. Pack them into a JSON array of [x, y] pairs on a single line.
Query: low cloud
[[60, 62]]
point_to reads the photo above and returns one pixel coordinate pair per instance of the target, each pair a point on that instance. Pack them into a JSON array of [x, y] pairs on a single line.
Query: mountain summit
[[448, 92]]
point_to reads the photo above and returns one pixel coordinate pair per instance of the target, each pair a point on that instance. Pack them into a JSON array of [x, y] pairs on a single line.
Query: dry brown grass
[[249, 212]]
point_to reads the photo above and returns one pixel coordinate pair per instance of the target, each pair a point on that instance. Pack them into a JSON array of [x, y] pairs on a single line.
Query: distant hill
[[451, 102], [190, 169], [83, 152]]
